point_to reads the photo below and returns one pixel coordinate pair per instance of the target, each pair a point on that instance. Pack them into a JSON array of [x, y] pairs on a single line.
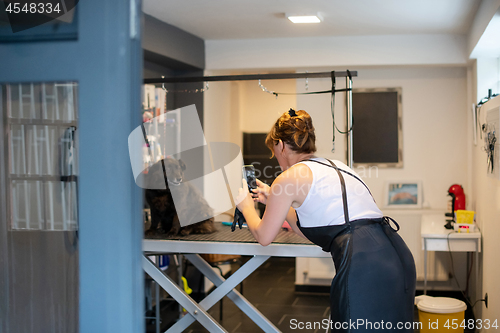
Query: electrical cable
[[453, 268], [332, 109], [469, 273], [479, 300], [334, 124], [456, 280]]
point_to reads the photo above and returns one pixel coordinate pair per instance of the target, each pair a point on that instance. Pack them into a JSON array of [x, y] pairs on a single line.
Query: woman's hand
[[244, 199], [261, 193]]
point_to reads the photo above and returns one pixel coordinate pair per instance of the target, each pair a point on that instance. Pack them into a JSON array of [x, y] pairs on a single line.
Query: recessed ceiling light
[[315, 18]]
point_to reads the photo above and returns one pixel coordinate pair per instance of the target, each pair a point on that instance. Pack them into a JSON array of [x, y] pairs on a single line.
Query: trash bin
[[440, 314]]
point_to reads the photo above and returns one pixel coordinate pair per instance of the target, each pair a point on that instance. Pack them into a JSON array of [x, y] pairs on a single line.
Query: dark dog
[[161, 203]]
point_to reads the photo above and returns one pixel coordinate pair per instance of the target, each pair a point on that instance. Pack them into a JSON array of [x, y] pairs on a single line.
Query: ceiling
[[256, 19]]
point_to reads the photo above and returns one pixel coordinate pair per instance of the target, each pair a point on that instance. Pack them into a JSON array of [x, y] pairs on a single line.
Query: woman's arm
[[282, 194], [260, 195], [277, 208]]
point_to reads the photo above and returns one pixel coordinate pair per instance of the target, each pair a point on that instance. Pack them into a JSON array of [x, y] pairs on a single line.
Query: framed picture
[[403, 194]]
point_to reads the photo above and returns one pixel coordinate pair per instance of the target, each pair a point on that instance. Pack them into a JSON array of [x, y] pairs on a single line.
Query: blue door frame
[[106, 62]]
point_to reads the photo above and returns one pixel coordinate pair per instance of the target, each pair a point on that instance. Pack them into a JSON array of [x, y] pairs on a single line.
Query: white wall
[[434, 126], [488, 72], [259, 110], [486, 202], [232, 108], [486, 195], [336, 51], [221, 117]]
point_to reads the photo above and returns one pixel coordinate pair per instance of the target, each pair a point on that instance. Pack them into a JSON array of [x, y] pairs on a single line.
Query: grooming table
[[223, 241]]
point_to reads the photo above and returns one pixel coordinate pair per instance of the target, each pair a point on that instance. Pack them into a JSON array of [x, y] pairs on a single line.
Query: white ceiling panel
[[238, 19]]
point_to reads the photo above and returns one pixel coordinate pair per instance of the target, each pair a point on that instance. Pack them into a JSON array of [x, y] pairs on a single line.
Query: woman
[[326, 202]]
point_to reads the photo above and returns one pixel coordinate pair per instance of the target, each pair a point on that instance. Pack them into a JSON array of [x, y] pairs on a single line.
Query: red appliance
[[458, 198]]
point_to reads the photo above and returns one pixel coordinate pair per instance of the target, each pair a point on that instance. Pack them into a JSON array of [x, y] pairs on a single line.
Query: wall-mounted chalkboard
[[377, 132]]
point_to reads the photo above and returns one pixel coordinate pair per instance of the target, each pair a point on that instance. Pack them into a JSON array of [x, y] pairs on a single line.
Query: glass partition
[[42, 144], [39, 218]]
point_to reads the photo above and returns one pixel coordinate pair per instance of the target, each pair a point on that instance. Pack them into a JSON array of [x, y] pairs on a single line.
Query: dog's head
[[174, 171]]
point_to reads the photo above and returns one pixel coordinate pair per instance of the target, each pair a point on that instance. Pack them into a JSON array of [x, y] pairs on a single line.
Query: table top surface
[[433, 227], [241, 241], [224, 234]]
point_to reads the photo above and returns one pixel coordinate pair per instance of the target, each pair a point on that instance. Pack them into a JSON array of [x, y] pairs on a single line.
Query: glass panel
[[17, 150], [42, 136], [35, 149], [13, 101], [39, 168], [24, 101], [60, 205], [56, 102], [27, 205], [48, 162], [66, 101], [50, 105]]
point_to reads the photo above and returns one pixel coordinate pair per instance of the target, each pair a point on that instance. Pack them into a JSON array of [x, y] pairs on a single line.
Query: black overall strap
[[344, 171], [344, 193]]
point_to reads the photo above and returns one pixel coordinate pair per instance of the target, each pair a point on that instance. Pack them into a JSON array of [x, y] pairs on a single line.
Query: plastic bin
[[440, 314]]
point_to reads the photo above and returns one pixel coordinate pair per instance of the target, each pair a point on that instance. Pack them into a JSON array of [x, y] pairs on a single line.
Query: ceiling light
[[315, 18]]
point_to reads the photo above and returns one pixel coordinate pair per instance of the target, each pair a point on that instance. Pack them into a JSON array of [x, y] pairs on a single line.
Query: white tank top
[[323, 204]]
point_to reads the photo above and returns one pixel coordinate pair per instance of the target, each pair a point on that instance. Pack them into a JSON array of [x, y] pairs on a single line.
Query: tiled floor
[[271, 289]]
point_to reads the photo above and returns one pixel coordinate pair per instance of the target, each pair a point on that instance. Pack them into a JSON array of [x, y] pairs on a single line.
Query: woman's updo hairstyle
[[295, 128]]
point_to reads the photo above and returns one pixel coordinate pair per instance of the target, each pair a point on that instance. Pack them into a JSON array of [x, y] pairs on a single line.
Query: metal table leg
[[478, 291], [181, 297], [238, 299], [226, 287], [178, 262], [425, 267], [158, 306]]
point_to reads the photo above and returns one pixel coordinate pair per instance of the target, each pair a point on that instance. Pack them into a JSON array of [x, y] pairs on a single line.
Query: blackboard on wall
[[377, 132]]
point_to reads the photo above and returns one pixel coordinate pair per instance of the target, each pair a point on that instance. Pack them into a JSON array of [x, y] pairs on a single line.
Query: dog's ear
[[182, 165]]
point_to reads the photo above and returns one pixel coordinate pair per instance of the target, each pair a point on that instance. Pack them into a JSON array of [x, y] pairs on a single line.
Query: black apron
[[374, 285]]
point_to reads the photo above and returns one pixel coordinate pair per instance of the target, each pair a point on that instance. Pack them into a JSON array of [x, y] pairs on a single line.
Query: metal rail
[[281, 76], [249, 77]]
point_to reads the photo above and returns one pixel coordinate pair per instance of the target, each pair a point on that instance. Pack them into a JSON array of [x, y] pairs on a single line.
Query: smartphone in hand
[[249, 174]]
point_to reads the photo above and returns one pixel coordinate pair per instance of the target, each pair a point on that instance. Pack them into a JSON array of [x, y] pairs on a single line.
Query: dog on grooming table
[[164, 216]]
